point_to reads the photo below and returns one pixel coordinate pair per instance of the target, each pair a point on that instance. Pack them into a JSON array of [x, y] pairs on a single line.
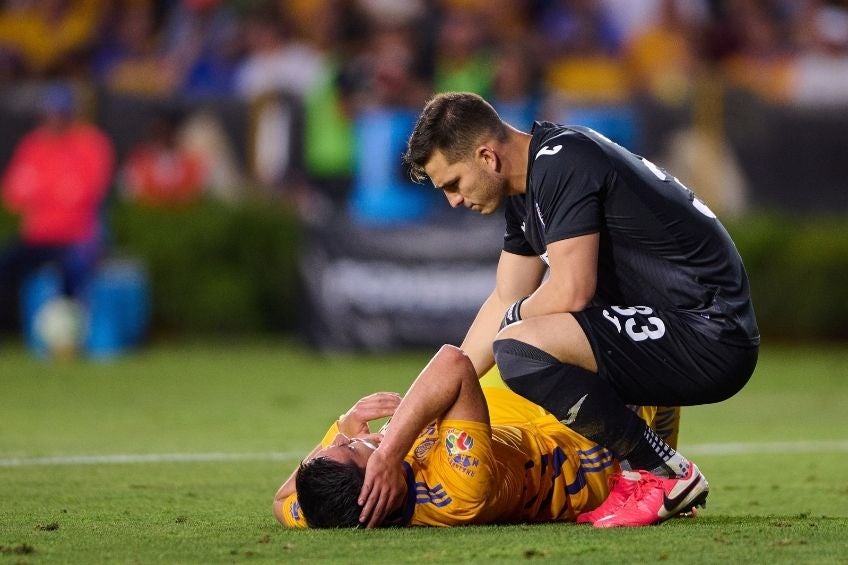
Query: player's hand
[[354, 422], [384, 489]]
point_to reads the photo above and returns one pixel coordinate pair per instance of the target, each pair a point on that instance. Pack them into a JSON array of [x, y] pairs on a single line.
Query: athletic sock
[[587, 404], [654, 455]]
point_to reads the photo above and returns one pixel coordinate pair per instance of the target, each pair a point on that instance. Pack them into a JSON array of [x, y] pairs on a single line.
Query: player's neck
[[515, 158], [397, 516]]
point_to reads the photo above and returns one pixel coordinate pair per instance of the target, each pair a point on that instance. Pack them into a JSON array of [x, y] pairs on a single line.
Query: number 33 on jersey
[[625, 318]]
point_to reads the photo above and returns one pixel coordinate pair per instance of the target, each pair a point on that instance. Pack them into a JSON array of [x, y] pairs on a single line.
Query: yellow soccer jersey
[[530, 469], [526, 467]]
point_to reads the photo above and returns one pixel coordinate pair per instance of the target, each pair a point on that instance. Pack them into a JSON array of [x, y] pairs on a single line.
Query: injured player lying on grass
[[457, 454]]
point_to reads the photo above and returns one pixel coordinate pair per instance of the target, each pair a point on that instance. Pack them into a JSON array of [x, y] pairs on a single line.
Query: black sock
[[584, 402], [655, 455]]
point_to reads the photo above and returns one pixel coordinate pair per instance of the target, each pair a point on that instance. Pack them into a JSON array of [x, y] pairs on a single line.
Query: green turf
[[261, 397]]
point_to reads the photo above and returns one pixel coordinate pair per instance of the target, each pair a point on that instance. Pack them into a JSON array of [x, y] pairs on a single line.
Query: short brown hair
[[454, 123]]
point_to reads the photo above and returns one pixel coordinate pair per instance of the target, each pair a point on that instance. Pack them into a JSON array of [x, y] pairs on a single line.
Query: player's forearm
[[431, 395], [572, 279], [554, 297], [477, 344]]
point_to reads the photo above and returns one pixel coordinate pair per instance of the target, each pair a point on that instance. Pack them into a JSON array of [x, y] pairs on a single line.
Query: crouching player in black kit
[[645, 302]]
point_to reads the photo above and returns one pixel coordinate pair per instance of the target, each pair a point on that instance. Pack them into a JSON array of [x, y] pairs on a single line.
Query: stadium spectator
[[646, 300], [161, 172], [127, 57], [463, 61], [583, 50], [507, 21], [384, 110], [820, 78], [470, 455], [661, 58], [320, 182], [585, 76], [201, 43], [516, 93], [275, 61], [47, 37], [762, 56], [56, 181]]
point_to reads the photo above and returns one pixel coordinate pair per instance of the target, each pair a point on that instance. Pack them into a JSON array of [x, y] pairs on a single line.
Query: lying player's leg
[[666, 423]]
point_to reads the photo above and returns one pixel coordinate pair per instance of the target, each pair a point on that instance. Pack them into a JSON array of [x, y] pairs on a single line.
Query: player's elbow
[[277, 509], [574, 297], [580, 303]]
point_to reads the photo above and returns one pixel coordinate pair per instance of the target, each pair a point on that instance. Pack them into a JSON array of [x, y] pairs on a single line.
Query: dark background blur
[[258, 179]]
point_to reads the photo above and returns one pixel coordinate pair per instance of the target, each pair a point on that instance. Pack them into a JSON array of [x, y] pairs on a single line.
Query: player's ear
[[487, 157]]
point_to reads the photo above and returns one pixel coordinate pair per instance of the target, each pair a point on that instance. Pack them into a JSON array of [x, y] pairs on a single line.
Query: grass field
[[172, 455]]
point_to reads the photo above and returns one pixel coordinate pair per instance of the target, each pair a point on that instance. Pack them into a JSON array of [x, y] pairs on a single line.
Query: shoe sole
[[692, 512], [699, 500]]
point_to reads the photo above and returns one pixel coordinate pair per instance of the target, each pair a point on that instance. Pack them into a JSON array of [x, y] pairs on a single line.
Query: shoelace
[[644, 485]]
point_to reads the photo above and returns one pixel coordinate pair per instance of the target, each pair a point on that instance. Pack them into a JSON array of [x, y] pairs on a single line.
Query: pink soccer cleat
[[656, 499], [622, 485]]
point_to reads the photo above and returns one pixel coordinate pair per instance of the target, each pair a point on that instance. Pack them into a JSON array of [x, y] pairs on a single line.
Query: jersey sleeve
[[292, 516], [514, 240], [330, 435], [452, 486], [569, 186]]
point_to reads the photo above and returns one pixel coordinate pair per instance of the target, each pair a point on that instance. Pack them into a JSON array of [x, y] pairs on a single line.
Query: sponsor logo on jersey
[[548, 151], [423, 447], [458, 442], [572, 412], [294, 510], [465, 464], [539, 213]]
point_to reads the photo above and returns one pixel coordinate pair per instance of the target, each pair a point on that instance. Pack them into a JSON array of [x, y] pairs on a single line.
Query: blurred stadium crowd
[[340, 63]]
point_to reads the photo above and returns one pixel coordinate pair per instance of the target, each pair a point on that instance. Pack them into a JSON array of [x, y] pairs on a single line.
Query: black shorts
[[658, 357]]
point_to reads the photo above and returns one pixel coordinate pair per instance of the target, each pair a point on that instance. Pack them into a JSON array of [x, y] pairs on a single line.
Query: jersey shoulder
[[568, 153]]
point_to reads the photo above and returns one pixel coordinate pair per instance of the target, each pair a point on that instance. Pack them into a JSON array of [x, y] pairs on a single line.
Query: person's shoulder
[[565, 148], [88, 130]]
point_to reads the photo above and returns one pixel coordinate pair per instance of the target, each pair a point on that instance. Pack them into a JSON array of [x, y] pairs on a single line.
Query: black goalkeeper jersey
[[659, 245]]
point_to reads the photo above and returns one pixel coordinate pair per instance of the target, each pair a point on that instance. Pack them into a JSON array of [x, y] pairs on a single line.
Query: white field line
[[737, 448], [134, 458]]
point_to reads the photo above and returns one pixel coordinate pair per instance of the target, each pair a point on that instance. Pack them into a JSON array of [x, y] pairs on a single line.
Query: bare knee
[[453, 356], [558, 335]]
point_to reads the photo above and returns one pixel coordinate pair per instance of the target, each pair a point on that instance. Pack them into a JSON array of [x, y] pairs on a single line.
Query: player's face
[[471, 182], [346, 449]]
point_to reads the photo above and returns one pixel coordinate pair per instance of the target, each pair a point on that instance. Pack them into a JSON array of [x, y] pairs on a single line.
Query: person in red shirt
[[161, 172], [56, 181]]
